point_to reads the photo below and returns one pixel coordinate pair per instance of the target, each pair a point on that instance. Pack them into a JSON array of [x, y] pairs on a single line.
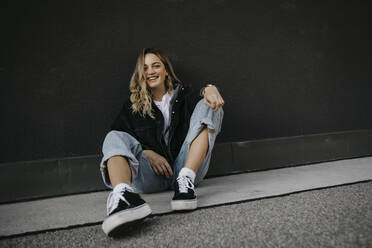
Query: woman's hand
[[212, 98], [158, 163]]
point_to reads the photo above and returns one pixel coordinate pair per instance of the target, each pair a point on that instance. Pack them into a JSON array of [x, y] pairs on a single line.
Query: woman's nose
[[150, 70]]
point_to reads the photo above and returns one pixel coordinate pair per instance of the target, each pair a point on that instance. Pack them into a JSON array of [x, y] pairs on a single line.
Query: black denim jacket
[[149, 132]]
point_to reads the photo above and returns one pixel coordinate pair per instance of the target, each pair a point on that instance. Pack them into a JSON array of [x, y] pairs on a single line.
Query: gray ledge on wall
[[55, 177]]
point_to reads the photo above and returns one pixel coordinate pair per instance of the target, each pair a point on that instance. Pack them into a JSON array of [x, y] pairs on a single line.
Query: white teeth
[[152, 78]]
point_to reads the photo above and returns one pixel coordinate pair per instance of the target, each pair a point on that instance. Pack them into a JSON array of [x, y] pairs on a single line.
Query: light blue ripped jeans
[[144, 179]]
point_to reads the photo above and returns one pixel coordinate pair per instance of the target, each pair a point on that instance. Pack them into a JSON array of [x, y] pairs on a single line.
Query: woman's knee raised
[[116, 139]]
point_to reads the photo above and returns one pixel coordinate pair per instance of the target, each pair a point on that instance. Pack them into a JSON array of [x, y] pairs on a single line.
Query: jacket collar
[[176, 91]]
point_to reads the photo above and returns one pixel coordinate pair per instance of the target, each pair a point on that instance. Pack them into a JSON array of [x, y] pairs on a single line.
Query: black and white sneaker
[[124, 206], [184, 194]]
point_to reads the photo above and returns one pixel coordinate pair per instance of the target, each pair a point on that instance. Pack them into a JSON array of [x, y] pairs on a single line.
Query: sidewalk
[[332, 217], [88, 209]]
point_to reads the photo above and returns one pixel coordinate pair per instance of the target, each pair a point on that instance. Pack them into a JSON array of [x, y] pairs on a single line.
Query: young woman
[[162, 139]]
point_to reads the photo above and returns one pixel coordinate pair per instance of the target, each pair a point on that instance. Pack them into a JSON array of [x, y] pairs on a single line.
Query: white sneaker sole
[[184, 204], [125, 216]]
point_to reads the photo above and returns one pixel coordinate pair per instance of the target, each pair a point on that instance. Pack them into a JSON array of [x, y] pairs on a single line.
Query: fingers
[[214, 102], [209, 103], [166, 173], [163, 171], [168, 169], [222, 102], [162, 167], [156, 170], [158, 163], [219, 102]]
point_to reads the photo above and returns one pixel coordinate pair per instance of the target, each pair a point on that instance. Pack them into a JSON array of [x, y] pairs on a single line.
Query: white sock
[[123, 186], [187, 172]]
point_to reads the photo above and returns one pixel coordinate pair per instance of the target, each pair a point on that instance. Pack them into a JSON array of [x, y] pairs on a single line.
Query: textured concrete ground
[[334, 217], [82, 209]]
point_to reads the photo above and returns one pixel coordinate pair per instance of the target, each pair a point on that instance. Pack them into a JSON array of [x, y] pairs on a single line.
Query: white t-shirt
[[163, 105]]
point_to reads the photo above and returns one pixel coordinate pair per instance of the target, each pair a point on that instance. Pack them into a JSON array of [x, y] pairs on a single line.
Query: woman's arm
[[212, 97], [158, 163], [124, 123]]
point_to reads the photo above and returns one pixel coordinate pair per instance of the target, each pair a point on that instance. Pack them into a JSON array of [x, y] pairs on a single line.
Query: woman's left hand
[[212, 98]]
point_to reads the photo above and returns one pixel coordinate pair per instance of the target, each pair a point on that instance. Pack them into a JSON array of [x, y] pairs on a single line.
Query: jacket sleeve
[[124, 123]]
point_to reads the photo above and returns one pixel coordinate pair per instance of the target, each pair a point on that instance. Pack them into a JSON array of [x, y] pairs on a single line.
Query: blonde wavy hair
[[140, 93]]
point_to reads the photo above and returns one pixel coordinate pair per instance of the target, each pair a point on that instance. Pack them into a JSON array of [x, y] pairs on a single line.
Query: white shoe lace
[[115, 196], [185, 183]]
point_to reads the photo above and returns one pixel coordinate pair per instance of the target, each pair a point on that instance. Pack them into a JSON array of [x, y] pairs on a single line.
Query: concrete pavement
[[85, 209], [333, 217]]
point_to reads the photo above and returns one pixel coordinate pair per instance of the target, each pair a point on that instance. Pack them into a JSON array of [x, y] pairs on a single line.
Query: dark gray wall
[[285, 68]]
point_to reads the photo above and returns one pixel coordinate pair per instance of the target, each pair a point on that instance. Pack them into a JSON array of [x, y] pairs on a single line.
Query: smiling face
[[155, 72]]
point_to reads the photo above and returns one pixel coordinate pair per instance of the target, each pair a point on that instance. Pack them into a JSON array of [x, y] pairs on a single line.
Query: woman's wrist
[[202, 91], [146, 152]]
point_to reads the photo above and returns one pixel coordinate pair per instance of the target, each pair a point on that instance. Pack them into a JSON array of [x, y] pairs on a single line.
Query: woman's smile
[[152, 79], [155, 71]]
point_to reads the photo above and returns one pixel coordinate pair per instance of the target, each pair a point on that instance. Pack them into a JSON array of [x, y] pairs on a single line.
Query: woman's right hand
[[158, 163]]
